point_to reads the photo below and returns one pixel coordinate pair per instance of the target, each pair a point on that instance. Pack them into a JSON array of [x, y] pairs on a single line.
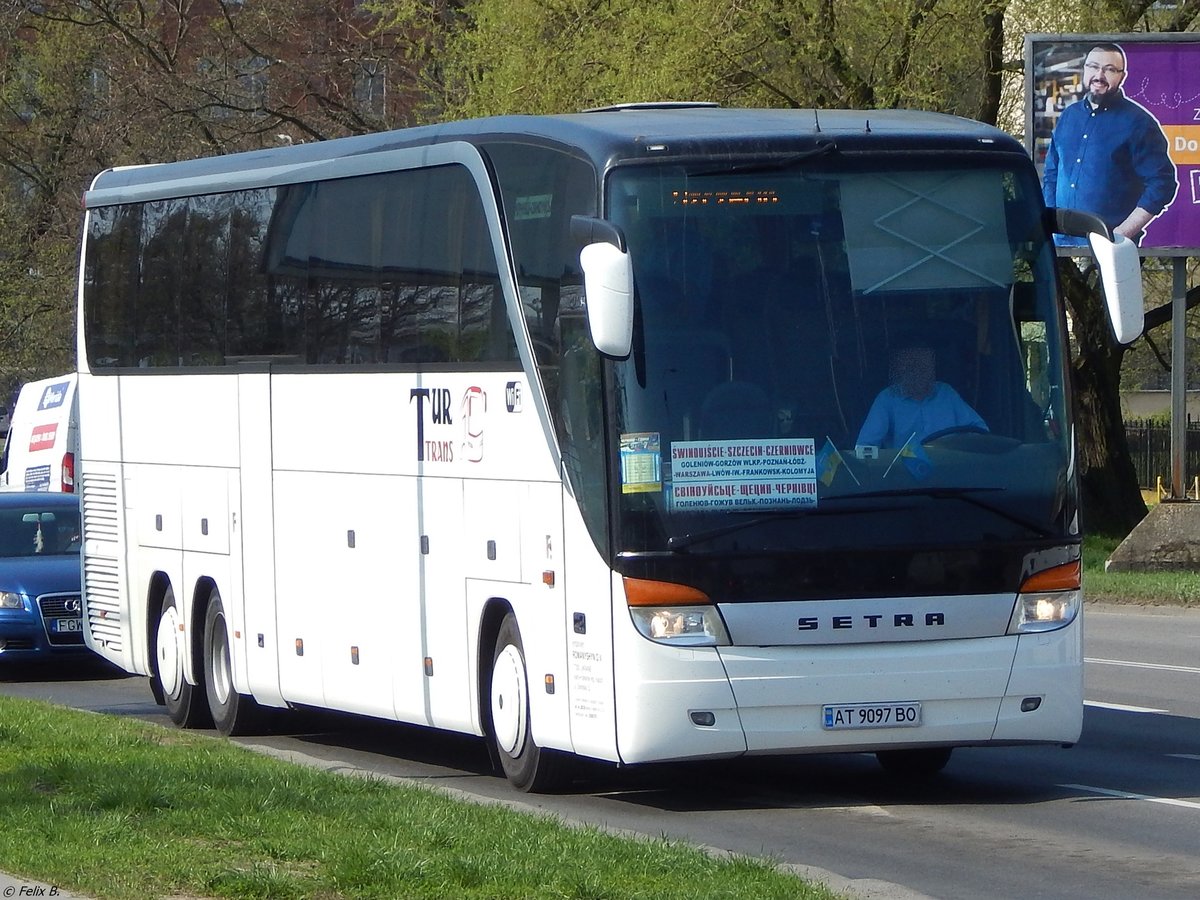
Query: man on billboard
[[1108, 155]]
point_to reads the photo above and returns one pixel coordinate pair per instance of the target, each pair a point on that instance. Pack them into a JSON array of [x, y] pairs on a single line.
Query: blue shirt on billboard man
[[1108, 155], [915, 405]]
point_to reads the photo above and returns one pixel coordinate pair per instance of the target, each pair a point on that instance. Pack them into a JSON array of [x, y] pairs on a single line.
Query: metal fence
[[1150, 447]]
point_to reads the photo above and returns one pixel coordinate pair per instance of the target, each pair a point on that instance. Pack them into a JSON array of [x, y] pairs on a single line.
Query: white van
[[43, 438]]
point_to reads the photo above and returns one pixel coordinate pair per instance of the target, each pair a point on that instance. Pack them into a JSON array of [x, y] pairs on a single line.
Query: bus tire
[[185, 703], [924, 762], [232, 713], [527, 766]]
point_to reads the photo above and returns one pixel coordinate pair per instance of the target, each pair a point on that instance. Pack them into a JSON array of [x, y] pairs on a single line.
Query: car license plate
[[905, 714], [62, 626]]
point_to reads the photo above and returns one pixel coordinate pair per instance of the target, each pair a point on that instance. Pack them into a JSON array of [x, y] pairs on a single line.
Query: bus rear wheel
[[923, 762], [185, 703], [526, 765], [232, 713]]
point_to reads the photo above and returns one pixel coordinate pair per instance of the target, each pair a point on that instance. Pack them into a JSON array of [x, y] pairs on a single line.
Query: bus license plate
[[872, 715], [62, 626]]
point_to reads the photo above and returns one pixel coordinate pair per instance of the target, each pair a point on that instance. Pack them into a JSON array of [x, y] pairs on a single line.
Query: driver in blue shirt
[[1108, 155], [915, 403]]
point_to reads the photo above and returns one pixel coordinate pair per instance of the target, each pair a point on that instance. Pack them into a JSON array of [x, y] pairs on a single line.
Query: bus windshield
[[835, 353]]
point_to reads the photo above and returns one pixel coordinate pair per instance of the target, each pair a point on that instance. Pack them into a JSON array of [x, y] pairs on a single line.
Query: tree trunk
[[1111, 498]]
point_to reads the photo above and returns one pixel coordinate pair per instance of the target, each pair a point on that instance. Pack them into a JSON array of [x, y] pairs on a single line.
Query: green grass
[[1151, 588], [118, 808]]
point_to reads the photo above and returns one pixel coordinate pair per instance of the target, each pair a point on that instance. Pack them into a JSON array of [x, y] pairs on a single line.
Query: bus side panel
[[254, 547], [514, 540], [346, 544], [346, 592], [153, 526], [179, 453], [114, 625], [207, 500], [186, 420], [588, 627], [441, 575], [550, 708]]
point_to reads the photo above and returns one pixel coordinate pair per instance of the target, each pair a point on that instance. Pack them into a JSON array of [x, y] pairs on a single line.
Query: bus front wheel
[[185, 703], [232, 713], [526, 765]]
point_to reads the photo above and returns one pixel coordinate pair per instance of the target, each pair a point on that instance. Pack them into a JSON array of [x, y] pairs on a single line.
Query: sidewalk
[[13, 887]]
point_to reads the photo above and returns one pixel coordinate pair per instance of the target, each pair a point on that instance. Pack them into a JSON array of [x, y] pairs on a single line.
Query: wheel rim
[[170, 662], [508, 700], [220, 678]]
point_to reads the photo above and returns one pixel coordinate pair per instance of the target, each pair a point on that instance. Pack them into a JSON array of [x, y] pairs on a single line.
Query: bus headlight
[[1044, 612], [675, 614], [691, 626], [1048, 600]]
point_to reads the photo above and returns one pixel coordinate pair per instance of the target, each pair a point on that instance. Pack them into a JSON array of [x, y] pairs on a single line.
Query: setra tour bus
[[566, 432]]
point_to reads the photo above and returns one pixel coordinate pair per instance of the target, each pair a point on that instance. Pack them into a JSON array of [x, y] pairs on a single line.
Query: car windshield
[[38, 531], [838, 354]]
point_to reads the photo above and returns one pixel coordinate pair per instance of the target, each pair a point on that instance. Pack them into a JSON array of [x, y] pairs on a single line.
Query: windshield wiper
[[955, 493]]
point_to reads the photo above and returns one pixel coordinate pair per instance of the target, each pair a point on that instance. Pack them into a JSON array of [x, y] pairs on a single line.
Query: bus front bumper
[[729, 701]]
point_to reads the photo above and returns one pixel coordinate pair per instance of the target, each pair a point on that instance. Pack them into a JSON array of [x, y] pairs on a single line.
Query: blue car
[[40, 608]]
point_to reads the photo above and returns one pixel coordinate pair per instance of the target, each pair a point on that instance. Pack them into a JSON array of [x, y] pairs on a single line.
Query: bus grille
[[101, 582], [102, 600], [100, 512]]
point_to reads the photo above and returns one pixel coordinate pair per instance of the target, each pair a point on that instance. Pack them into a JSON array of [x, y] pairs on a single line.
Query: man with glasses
[[1108, 155]]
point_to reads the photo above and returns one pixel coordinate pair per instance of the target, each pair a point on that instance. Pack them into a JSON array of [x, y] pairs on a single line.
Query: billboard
[[1113, 123]]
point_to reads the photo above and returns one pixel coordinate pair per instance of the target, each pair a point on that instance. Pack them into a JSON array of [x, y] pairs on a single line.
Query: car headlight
[[674, 614], [10, 600], [1049, 600]]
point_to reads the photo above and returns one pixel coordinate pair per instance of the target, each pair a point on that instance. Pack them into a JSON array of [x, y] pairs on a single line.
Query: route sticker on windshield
[[641, 462], [743, 474]]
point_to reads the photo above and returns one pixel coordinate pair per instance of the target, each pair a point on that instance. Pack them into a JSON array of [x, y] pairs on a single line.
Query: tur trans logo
[[436, 407]]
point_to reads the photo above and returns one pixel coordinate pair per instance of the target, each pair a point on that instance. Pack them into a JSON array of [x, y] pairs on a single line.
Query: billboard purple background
[[1163, 75]]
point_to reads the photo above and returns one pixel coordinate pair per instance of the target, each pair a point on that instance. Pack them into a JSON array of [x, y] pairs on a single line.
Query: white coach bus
[[551, 430]]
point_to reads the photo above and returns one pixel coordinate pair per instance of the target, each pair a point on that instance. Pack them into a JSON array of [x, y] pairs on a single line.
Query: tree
[[89, 84], [958, 56], [564, 55], [42, 104]]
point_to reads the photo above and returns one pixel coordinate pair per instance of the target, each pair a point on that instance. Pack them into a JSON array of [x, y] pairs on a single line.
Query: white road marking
[[1192, 756], [1162, 667], [1125, 795], [1121, 707]]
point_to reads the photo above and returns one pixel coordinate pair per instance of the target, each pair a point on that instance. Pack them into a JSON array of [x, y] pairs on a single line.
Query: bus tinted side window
[[395, 268], [111, 284]]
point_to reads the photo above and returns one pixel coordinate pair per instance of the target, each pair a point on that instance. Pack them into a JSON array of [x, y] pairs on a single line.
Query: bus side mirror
[[1120, 268], [1121, 275], [608, 285]]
